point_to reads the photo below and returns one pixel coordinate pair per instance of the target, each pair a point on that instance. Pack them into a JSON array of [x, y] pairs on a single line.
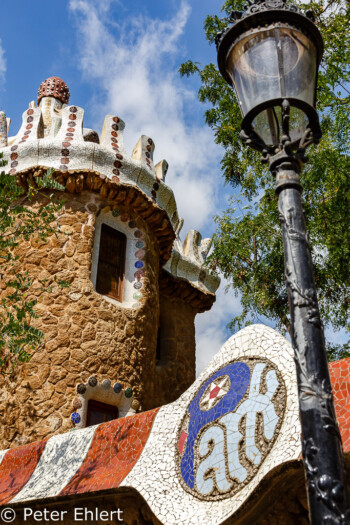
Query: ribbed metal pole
[[321, 442]]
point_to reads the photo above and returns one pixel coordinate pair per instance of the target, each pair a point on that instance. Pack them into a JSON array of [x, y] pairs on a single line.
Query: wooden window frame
[[102, 407], [100, 282]]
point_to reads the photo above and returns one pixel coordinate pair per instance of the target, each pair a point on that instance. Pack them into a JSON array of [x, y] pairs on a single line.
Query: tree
[[248, 243], [20, 221]]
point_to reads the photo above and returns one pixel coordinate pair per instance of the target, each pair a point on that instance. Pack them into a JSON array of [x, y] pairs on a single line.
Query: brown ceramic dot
[[150, 142], [119, 156], [12, 172], [148, 148], [156, 186], [30, 111], [71, 130], [116, 172], [30, 119], [72, 116], [117, 164], [115, 119], [14, 156], [27, 132], [14, 164], [71, 123], [115, 127], [66, 144], [124, 217], [65, 152], [147, 155], [65, 161], [154, 194], [138, 275], [29, 126], [24, 138], [77, 403], [13, 148], [73, 109], [70, 134], [114, 134], [115, 179], [138, 234], [115, 148], [114, 140]]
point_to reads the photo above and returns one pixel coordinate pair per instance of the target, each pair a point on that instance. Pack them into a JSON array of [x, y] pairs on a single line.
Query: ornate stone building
[[127, 319], [107, 423]]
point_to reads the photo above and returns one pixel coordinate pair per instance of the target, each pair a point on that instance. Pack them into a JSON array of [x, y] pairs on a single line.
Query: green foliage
[[248, 242], [19, 223]]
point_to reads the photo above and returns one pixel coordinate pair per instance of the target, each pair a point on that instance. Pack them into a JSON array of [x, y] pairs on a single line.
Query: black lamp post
[[270, 54]]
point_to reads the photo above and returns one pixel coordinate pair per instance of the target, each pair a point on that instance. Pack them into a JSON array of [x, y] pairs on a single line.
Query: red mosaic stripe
[[114, 450], [340, 378], [17, 467]]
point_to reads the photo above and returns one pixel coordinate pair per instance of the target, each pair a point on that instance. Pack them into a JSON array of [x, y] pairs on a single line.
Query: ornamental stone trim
[[104, 392]]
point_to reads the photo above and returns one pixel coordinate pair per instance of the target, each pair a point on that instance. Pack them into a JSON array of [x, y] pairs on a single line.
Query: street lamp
[[270, 54]]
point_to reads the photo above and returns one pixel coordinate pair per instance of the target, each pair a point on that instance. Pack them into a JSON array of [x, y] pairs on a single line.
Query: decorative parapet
[[222, 451], [187, 263], [68, 147], [53, 136]]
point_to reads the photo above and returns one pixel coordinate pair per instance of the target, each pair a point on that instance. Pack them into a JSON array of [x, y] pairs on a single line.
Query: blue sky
[[121, 57]]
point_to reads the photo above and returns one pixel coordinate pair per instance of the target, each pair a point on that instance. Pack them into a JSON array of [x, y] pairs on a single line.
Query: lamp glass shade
[[270, 64]]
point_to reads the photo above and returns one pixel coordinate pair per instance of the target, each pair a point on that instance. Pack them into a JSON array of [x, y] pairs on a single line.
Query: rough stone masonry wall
[[84, 333], [175, 371]]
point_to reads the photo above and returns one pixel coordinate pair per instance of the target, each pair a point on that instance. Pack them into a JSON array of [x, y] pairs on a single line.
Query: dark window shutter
[[111, 263], [100, 413]]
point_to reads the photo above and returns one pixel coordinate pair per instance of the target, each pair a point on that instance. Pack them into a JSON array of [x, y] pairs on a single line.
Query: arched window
[[111, 263]]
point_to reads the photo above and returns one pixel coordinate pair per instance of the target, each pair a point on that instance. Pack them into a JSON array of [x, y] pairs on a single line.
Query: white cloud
[[132, 65], [2, 62]]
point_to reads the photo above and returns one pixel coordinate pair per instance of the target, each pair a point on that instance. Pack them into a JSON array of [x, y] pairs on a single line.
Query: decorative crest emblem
[[230, 427]]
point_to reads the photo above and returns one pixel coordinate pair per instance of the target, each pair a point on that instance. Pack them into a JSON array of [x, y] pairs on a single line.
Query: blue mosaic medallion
[[229, 428], [75, 417]]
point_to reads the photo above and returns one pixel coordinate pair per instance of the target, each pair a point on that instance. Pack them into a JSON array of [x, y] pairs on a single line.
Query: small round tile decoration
[[137, 296], [139, 244], [81, 388], [128, 392], [75, 417], [117, 388], [139, 264], [137, 285], [106, 383]]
